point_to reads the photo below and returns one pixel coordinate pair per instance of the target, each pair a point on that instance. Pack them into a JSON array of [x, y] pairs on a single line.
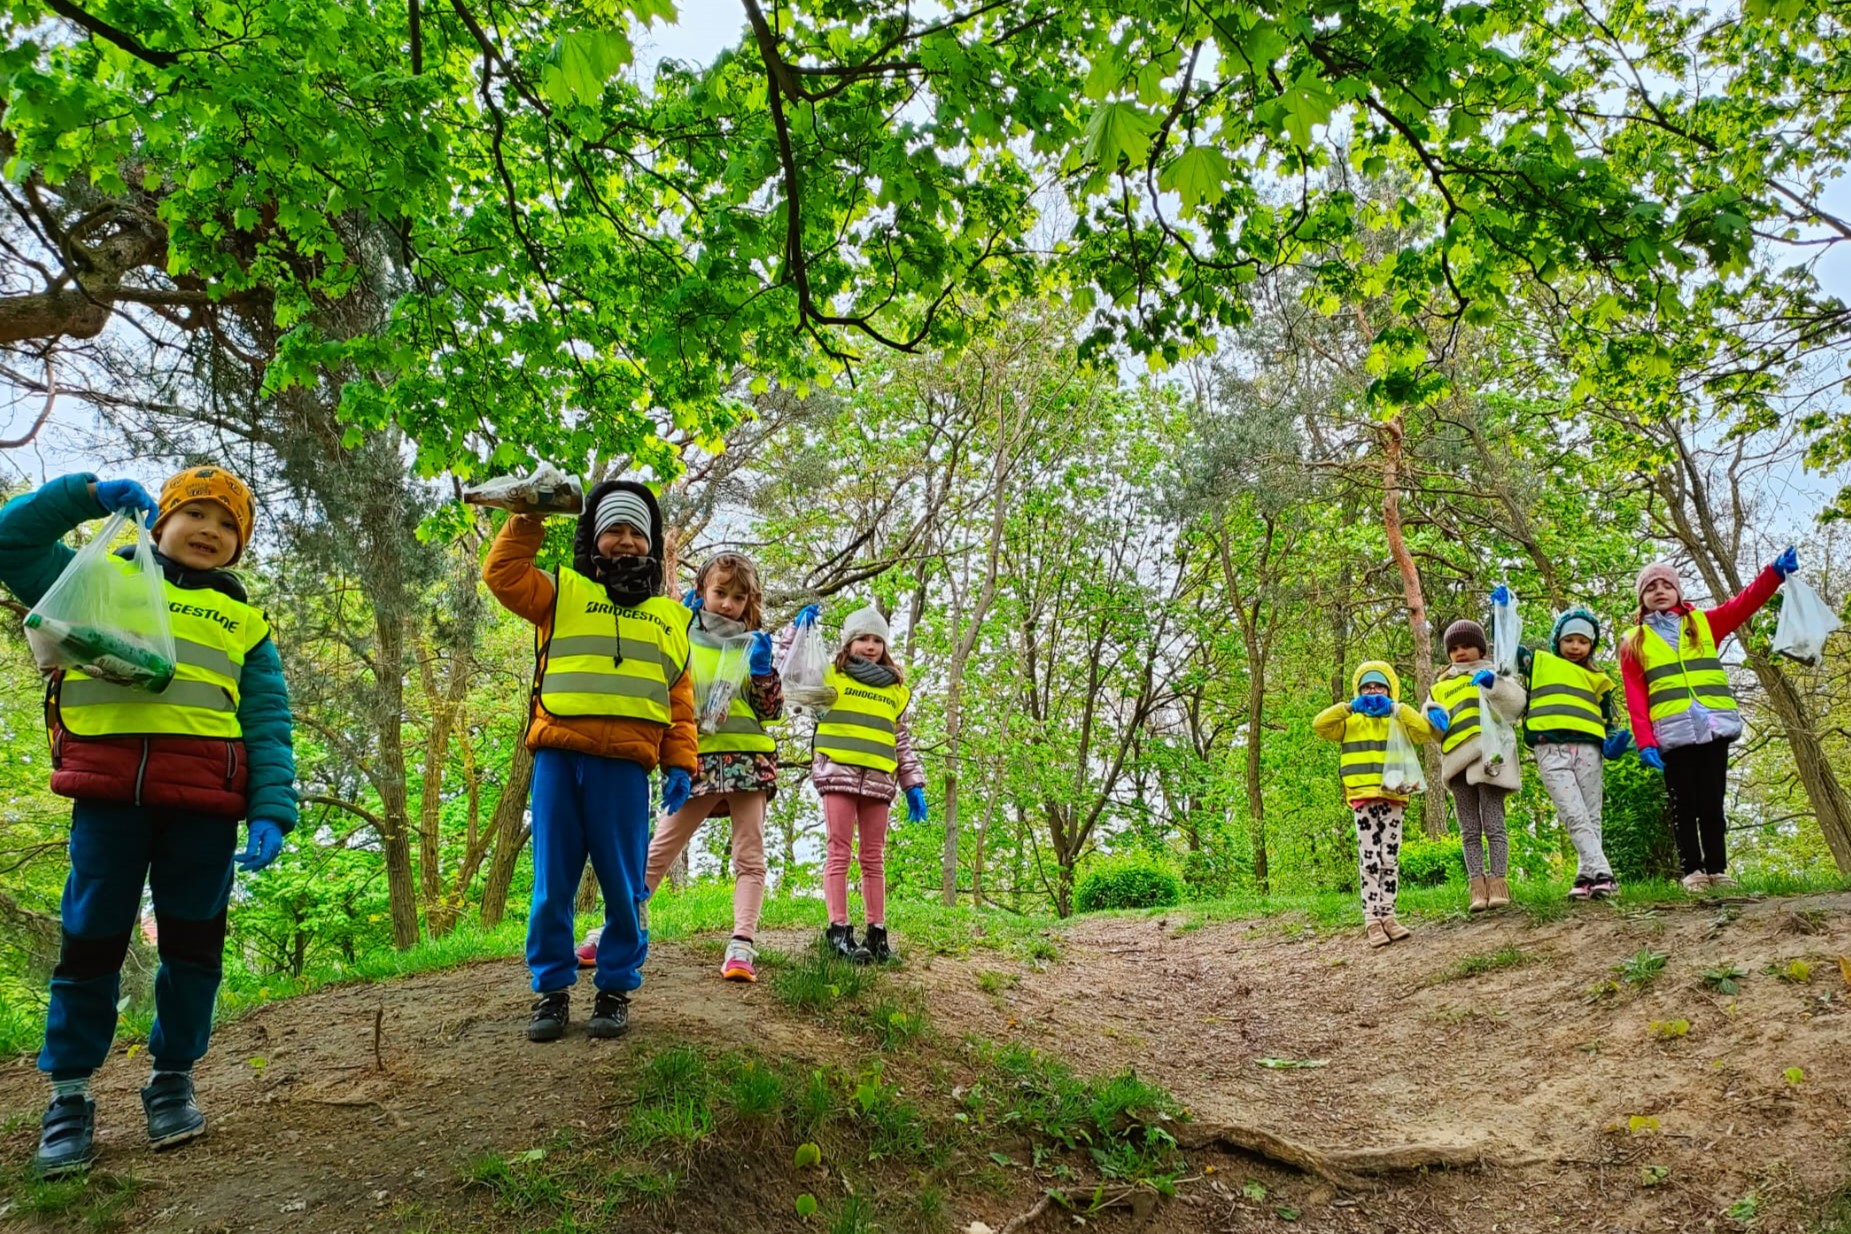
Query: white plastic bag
[[547, 491], [1497, 737], [802, 671], [105, 616], [713, 696], [1402, 772], [1806, 621], [1506, 634]]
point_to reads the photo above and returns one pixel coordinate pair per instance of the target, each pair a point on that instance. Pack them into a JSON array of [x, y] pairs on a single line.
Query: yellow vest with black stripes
[[858, 729], [1460, 699], [213, 633], [741, 731], [1365, 750], [585, 672], [1674, 680], [1565, 697]]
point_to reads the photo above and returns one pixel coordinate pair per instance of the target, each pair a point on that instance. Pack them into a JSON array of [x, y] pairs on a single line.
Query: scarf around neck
[[872, 673], [711, 629]]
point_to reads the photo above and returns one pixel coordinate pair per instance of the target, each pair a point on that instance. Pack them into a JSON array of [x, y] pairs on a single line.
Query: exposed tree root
[[1341, 1167]]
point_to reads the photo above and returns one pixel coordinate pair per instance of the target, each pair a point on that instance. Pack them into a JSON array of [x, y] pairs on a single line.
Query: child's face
[[1659, 595], [1374, 687], [200, 535], [1465, 653], [622, 540], [868, 646], [725, 596], [1577, 647]]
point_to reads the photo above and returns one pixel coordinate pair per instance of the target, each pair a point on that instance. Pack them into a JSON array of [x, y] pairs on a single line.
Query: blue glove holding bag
[[1500, 596], [117, 496], [1787, 563], [758, 660], [1484, 679], [807, 616]]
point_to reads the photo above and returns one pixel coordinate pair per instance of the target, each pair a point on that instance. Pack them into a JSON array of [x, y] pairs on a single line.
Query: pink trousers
[[748, 851], [844, 816]]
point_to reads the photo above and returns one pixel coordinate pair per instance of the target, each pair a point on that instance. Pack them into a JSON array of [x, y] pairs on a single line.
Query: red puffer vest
[[201, 775]]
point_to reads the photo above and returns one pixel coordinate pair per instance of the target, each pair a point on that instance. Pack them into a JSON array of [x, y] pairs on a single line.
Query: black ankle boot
[[551, 1012], [840, 940], [878, 949]]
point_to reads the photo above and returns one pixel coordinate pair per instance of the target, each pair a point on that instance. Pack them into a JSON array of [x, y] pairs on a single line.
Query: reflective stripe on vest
[[1565, 697], [213, 633], [1674, 680], [1365, 750], [582, 675], [859, 728], [1460, 699], [741, 730]]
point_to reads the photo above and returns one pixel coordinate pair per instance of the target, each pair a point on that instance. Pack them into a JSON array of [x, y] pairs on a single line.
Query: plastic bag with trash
[[1806, 621], [1402, 773], [107, 616], [802, 672], [1497, 737], [547, 490], [713, 696]]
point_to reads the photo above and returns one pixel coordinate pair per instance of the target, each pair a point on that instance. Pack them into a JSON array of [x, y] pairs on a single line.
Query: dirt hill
[[1676, 1068]]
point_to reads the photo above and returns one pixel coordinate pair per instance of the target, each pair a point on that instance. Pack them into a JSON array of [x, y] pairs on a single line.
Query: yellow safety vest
[[581, 674], [1673, 680], [1565, 697], [213, 633], [1365, 750], [741, 731], [858, 728], [1460, 699]]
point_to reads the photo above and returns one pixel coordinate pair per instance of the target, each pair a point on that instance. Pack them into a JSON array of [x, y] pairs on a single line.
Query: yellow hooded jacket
[[1363, 736]]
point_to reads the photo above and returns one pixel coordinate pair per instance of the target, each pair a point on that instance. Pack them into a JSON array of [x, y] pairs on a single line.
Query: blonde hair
[[886, 661], [730, 568]]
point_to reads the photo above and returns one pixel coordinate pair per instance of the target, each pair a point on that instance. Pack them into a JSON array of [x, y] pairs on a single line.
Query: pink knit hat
[[1658, 570]]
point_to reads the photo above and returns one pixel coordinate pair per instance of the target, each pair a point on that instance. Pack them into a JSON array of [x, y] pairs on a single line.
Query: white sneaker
[[1696, 881], [738, 964]]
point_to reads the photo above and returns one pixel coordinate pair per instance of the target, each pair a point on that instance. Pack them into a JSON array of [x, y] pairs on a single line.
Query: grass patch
[[1641, 968], [94, 1201], [994, 983], [894, 1021], [816, 979], [1482, 962]]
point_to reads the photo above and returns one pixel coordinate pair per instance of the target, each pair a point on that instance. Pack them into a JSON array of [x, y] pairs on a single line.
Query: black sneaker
[[610, 1016], [67, 1137], [551, 1012], [173, 1118], [840, 940], [878, 949]]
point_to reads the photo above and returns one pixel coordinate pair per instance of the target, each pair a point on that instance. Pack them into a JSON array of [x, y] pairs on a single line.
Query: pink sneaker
[[738, 963], [588, 956]]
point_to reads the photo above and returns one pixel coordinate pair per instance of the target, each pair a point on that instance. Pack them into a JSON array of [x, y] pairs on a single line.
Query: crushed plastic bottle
[[103, 654]]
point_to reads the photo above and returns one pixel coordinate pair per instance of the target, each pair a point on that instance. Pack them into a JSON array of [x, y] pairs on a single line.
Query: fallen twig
[[1023, 1220], [379, 1028], [1340, 1167]]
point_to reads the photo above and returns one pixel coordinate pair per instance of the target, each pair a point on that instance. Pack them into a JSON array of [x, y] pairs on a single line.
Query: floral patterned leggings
[[1378, 854]]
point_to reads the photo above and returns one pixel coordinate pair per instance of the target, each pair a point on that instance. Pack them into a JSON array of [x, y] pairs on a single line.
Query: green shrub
[[1430, 863], [1126, 882], [1634, 831]]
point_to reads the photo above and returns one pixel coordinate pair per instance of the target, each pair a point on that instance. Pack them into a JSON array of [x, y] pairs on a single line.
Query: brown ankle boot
[[1481, 898], [1396, 931], [1497, 892]]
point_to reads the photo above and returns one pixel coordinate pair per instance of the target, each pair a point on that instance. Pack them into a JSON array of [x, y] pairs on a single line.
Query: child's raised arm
[[32, 528], [521, 587]]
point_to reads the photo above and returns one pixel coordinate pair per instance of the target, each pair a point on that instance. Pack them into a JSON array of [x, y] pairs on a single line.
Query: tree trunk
[[1393, 436], [1825, 792], [1256, 795], [389, 777], [509, 828]]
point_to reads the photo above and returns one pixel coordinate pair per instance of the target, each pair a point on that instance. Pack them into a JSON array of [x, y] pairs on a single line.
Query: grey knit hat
[[866, 621], [623, 506]]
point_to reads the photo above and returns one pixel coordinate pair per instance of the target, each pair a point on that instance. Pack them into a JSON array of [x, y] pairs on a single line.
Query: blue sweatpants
[[588, 806], [116, 850]]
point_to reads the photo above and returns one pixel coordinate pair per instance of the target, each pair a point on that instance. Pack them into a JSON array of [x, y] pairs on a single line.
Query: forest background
[[1149, 402]]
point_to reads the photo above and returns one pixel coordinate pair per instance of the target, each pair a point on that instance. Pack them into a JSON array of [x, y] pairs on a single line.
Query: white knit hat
[[624, 506], [866, 621]]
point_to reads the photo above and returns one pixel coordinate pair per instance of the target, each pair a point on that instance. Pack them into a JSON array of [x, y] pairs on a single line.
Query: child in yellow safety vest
[[1683, 713], [738, 772], [1478, 784], [1362, 725], [1569, 728], [159, 783], [612, 700], [862, 753]]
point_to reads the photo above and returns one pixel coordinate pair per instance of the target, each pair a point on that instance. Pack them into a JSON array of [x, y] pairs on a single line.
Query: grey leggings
[[1481, 823]]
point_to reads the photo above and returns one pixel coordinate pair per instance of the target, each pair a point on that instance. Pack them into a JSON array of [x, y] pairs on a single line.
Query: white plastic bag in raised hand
[[107, 616], [1402, 772], [1506, 633], [547, 491], [1806, 621], [713, 696], [802, 671]]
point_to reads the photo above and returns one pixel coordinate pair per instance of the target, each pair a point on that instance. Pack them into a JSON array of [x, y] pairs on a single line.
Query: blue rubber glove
[[1381, 706], [1440, 718], [758, 660], [691, 600], [1500, 596], [1484, 679], [1652, 758], [116, 496], [265, 843], [915, 804], [676, 786], [1787, 563], [1360, 705], [807, 616], [1617, 744]]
